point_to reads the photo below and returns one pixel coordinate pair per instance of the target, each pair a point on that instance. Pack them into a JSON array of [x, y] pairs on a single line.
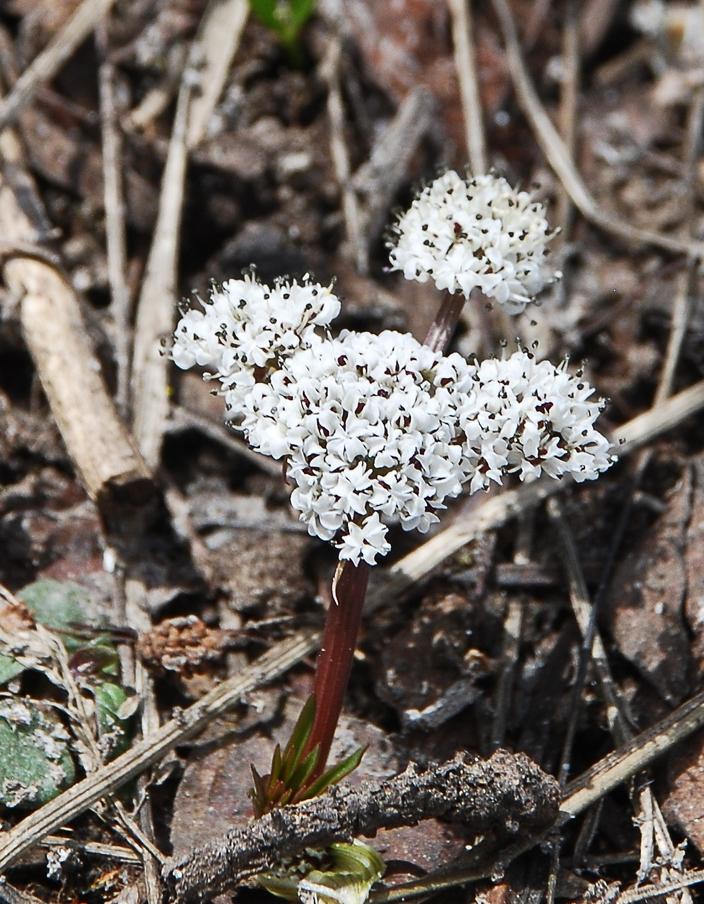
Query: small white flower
[[246, 328], [475, 234]]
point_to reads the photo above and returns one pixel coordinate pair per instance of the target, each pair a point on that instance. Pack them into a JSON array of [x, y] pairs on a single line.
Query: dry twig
[[97, 441], [503, 796], [45, 66], [380, 177], [216, 43], [115, 230], [330, 70], [157, 299]]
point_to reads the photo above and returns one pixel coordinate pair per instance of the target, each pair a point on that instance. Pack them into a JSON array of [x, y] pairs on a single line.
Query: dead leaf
[[647, 598], [684, 803]]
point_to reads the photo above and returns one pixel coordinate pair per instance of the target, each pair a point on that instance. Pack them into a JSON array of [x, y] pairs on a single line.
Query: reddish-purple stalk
[[344, 614], [336, 655], [443, 327]]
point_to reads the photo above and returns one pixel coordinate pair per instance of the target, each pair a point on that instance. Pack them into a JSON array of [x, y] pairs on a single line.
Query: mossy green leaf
[[113, 723], [60, 606], [35, 759], [9, 668]]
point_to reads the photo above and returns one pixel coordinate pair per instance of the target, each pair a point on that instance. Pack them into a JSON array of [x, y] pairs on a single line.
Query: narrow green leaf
[[276, 764], [258, 782], [299, 738], [285, 798], [335, 773], [305, 770]]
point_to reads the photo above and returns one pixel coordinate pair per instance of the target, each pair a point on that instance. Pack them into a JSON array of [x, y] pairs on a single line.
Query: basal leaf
[[335, 774], [113, 726], [305, 770], [299, 738]]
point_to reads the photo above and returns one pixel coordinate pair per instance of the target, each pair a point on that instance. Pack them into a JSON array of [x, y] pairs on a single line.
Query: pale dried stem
[[219, 36], [157, 299], [45, 66], [644, 892], [105, 456], [466, 66], [559, 158], [115, 229], [569, 99], [157, 99], [378, 180], [633, 757], [330, 71], [514, 619], [686, 294], [211, 53]]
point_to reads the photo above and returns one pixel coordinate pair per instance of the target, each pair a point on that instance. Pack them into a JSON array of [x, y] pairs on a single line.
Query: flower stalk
[[443, 327], [334, 664]]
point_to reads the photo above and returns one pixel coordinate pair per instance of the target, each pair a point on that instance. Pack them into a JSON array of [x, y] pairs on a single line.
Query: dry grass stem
[[330, 71], [558, 155], [157, 298], [466, 66], [45, 66], [378, 180], [644, 892], [633, 757], [115, 228], [213, 51]]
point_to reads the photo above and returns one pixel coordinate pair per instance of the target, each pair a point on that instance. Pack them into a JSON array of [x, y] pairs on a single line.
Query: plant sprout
[[285, 18], [380, 430]]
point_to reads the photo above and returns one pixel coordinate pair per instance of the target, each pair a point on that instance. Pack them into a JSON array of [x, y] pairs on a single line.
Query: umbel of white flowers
[[245, 329], [477, 233], [377, 430]]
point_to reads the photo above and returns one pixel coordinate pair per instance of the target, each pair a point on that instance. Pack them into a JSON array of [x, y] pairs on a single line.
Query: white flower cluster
[[369, 429], [530, 417], [246, 328], [475, 234], [379, 430]]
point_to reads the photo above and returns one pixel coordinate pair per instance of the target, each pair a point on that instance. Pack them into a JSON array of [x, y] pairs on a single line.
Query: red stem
[[443, 327], [336, 655]]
